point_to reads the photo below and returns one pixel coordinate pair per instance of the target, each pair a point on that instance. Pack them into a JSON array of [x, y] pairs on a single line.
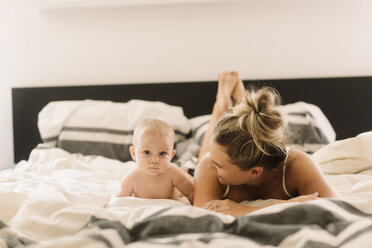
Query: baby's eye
[[146, 152], [163, 153]]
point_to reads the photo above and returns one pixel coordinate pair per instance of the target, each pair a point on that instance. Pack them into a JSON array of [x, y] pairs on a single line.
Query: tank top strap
[[284, 168], [226, 191]]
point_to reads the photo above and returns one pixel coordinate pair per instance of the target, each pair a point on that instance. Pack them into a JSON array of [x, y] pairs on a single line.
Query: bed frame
[[345, 101]]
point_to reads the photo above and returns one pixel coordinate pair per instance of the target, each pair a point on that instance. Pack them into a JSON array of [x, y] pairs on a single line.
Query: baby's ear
[[132, 152], [173, 153]]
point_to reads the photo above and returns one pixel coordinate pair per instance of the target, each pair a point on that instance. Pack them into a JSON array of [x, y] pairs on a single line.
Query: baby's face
[[154, 151]]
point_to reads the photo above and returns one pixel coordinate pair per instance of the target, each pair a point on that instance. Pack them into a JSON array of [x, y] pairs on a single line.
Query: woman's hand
[[236, 209], [228, 207]]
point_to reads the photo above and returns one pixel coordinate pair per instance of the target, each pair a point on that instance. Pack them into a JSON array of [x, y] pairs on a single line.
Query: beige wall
[[187, 42]]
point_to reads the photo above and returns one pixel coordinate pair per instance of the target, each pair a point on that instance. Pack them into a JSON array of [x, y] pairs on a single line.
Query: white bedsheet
[[49, 199]]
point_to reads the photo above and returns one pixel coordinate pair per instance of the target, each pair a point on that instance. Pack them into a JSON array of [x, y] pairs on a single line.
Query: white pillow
[[347, 156], [104, 128]]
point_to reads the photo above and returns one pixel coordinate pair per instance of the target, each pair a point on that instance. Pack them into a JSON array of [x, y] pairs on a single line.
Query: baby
[[155, 177]]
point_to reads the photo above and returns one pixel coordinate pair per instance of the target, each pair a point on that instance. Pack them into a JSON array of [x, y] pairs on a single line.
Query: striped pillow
[[306, 125], [104, 128]]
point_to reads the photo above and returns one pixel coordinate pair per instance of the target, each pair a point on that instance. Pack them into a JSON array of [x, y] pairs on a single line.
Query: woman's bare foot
[[227, 83]]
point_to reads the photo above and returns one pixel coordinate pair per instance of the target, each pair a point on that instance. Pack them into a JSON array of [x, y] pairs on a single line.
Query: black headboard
[[345, 101]]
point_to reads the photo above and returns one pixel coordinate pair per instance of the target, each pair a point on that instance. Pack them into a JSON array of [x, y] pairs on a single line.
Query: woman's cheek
[[221, 175]]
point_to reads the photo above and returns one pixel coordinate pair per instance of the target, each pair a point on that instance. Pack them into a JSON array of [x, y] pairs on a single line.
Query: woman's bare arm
[[206, 185], [236, 209]]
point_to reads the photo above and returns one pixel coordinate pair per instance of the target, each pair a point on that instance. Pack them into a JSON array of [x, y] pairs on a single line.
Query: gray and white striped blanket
[[322, 223]]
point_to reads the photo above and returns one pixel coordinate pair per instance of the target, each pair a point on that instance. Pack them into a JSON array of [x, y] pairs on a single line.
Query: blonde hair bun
[[253, 129]]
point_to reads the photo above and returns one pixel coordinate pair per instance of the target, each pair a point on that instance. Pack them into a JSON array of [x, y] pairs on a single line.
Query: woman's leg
[[239, 92], [230, 88]]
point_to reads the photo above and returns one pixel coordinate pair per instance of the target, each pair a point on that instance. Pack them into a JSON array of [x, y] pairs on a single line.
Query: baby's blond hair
[[252, 132], [152, 124]]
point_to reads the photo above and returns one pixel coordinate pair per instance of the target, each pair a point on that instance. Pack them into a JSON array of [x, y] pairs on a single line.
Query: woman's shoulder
[[298, 157], [206, 184], [306, 176], [205, 163], [205, 169], [301, 166]]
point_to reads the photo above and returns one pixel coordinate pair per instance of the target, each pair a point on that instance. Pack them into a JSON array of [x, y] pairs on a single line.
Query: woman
[[244, 154]]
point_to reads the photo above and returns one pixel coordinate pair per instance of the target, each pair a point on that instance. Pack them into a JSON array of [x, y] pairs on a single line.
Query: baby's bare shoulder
[[174, 169], [177, 174], [131, 176]]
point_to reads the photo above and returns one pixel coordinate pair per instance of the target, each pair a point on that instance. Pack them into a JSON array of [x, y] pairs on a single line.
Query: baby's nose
[[154, 159]]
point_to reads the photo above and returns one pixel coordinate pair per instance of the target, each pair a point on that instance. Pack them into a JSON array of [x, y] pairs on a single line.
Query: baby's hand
[[303, 198]]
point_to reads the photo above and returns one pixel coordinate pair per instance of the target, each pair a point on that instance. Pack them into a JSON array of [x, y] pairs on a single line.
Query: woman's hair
[[252, 131]]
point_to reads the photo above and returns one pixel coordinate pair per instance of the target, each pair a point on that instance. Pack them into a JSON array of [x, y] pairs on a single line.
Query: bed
[[69, 149]]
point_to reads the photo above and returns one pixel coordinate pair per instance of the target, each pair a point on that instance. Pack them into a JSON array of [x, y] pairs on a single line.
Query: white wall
[[188, 42]]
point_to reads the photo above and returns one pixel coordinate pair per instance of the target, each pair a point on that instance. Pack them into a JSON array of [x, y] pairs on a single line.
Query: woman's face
[[227, 173]]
